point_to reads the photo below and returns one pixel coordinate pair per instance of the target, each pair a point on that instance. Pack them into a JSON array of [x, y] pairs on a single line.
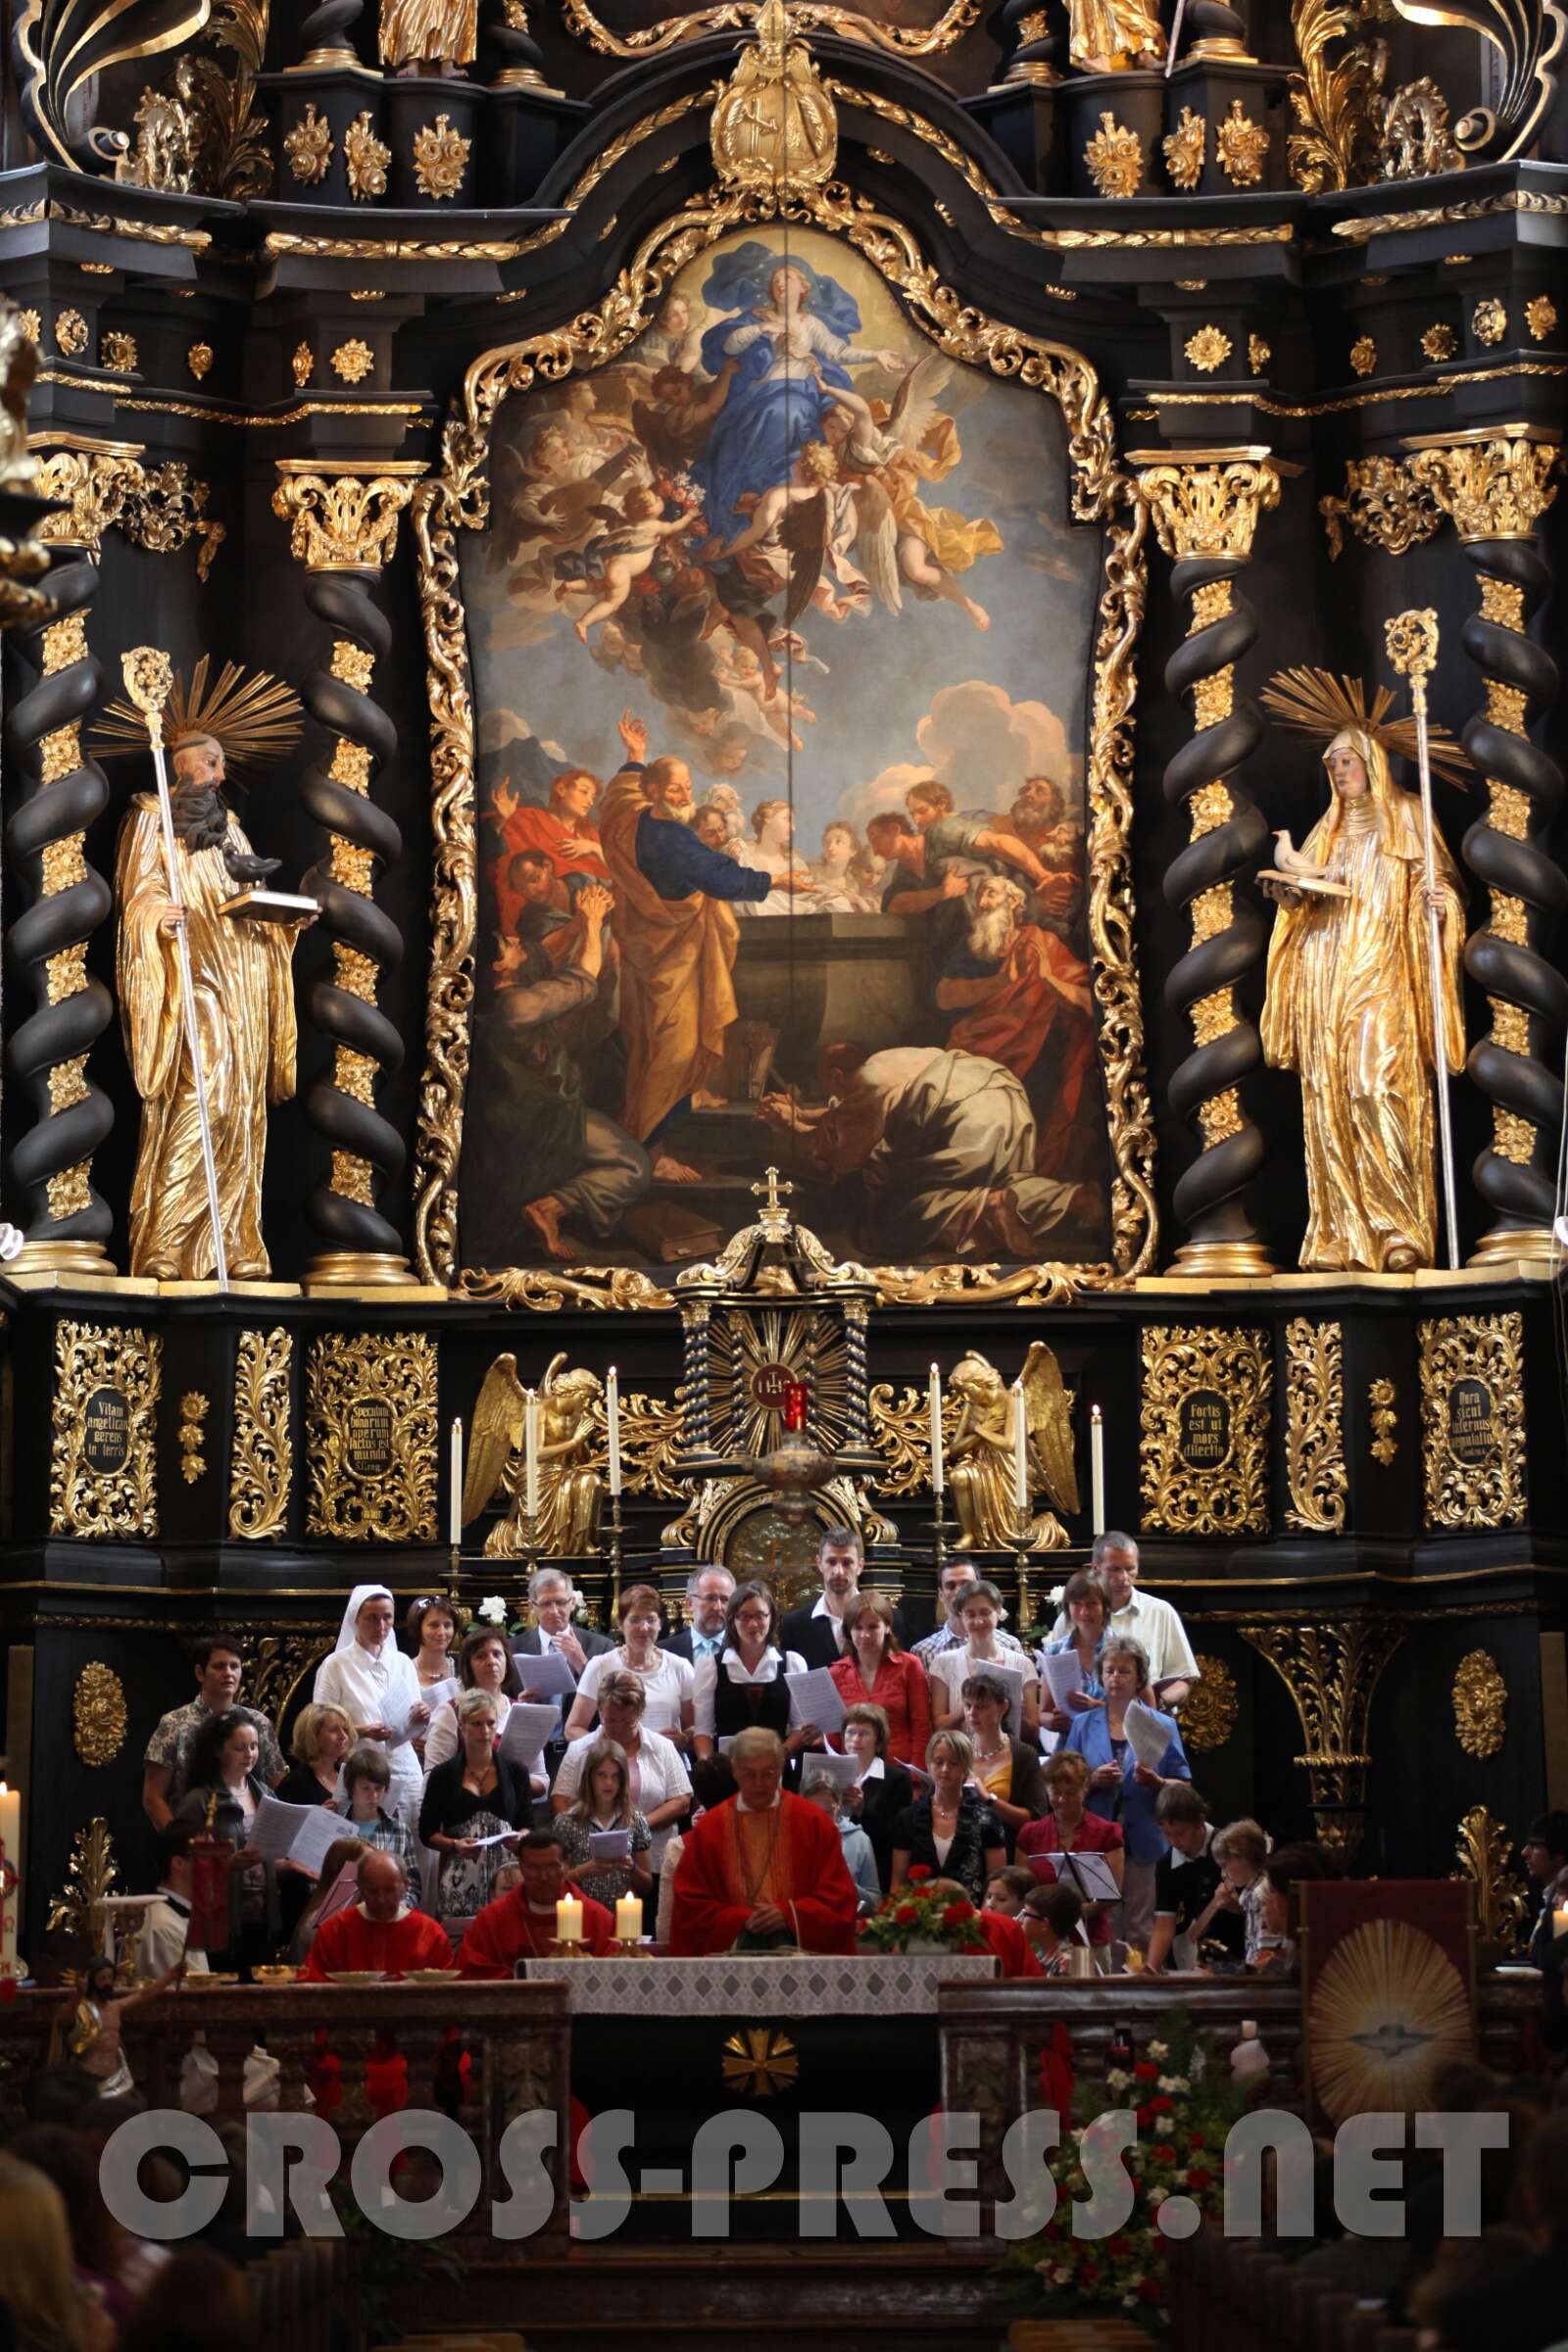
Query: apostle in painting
[[678, 937], [1016, 987], [565, 831], [764, 1871], [1349, 1004], [945, 1145], [244, 990]]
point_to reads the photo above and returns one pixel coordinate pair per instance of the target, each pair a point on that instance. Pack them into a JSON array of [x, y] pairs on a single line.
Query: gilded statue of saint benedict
[[1349, 1005], [244, 990]]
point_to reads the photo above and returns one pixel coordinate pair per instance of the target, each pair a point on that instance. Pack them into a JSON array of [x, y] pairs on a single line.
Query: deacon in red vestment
[[378, 1932], [766, 1867], [520, 1925]]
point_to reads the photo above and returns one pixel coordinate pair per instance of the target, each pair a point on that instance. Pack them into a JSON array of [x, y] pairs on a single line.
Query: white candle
[[10, 1877], [1097, 1467], [1559, 1917], [938, 1475], [629, 1919], [1021, 1452], [530, 1458], [454, 1499], [569, 1920], [612, 1419]]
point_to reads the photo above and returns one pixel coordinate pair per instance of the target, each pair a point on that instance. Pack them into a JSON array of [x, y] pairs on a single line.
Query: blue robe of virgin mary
[[762, 427]]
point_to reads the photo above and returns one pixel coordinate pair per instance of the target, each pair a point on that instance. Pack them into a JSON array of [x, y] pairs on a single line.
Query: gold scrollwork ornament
[[1314, 1434], [1114, 158], [98, 1714], [775, 127], [309, 147], [1503, 1901], [1473, 1420], [193, 1410], [370, 1416], [1242, 146], [1205, 1430], [1385, 505], [1210, 1707], [1185, 149], [1480, 1704], [367, 158], [440, 159], [102, 1476], [262, 1462], [1385, 1421]]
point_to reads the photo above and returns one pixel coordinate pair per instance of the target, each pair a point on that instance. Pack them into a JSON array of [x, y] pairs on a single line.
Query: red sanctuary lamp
[[795, 1398]]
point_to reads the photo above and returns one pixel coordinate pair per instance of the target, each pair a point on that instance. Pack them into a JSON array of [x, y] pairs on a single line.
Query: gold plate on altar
[[426, 1975]]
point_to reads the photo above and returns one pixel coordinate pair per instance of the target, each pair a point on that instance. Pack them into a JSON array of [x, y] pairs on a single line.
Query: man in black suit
[[553, 1596], [816, 1627], [708, 1598]]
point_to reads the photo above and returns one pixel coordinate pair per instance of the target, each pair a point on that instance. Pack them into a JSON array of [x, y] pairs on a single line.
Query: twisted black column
[[1494, 489], [345, 528], [62, 793], [1205, 515]]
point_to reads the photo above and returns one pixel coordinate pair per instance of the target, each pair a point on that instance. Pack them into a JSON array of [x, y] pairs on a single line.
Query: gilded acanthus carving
[[1495, 488], [1209, 511], [262, 1462], [370, 1421], [1210, 1707], [1386, 504], [1204, 1458], [102, 1476], [1314, 1431], [104, 489], [98, 1714], [1473, 1420], [1330, 1670], [343, 522], [1502, 1900]]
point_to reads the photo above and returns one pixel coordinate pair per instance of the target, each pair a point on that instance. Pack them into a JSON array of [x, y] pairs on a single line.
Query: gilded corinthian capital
[[1205, 503], [344, 521], [1494, 486], [96, 487]]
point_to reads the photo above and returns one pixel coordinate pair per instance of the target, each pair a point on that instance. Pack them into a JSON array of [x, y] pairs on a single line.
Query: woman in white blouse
[[745, 1685], [979, 1615], [660, 1787], [484, 1663], [668, 1680], [370, 1679]]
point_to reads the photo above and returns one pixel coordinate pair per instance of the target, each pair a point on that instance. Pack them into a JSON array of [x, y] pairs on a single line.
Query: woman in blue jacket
[[1122, 1790]]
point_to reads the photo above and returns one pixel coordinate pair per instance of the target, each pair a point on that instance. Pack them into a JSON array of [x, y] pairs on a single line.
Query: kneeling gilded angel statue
[[980, 1454]]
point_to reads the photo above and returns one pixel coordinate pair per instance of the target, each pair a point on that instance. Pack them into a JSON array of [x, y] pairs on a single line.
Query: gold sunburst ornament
[[1388, 2009], [254, 715], [758, 2061], [1208, 349], [1314, 701]]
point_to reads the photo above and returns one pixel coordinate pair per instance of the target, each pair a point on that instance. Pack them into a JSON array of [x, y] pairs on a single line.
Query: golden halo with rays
[[254, 715], [1389, 2007], [1314, 701]]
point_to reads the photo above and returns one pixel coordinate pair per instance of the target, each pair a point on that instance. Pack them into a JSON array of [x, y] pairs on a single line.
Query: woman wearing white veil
[[370, 1679]]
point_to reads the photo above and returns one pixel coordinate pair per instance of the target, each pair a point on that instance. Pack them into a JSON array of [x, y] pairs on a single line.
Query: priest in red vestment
[[520, 1925], [378, 1932], [765, 1869]]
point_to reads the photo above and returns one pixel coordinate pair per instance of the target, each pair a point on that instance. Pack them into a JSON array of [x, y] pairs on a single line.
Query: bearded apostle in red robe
[[765, 1869], [378, 1932]]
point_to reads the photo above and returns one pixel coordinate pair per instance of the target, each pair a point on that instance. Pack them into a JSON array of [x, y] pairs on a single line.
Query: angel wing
[[1048, 1409], [915, 404], [551, 1369], [876, 541], [497, 1432]]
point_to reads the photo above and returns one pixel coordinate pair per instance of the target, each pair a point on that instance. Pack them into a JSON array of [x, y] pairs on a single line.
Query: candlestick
[[455, 1497], [1021, 1452], [530, 1443], [569, 1920], [938, 1473], [629, 1920], [1096, 1468], [10, 1880], [613, 1420]]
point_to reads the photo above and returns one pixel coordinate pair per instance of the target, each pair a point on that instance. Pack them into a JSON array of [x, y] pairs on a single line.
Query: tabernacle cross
[[773, 1189]]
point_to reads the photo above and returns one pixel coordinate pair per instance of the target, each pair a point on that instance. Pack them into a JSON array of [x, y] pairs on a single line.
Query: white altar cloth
[[766, 1984]]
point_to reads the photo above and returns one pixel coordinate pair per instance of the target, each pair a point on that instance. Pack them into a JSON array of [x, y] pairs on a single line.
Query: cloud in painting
[[979, 743], [498, 728]]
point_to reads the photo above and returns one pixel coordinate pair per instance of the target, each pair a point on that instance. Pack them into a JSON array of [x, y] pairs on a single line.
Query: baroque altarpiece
[[744, 599]]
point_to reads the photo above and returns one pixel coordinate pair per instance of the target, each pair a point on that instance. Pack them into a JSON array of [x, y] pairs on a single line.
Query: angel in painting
[[981, 1454]]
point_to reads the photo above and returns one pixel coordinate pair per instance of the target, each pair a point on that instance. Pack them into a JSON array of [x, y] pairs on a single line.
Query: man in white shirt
[[955, 1576], [166, 1921], [1151, 1621], [817, 1632]]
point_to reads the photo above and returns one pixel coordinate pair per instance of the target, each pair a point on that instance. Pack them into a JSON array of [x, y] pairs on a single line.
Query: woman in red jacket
[[874, 1669]]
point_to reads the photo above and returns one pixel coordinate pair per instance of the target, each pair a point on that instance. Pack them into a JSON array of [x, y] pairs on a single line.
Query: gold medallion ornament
[[193, 1410], [1473, 1420], [30, 325], [1385, 505], [98, 1715], [1241, 145], [775, 127], [367, 158], [1541, 317], [1114, 158], [1185, 150], [440, 159], [199, 359], [1210, 1707], [71, 333], [758, 2061], [353, 361], [1384, 1422], [118, 353], [371, 1423], [1489, 321], [1480, 1704], [1363, 355], [1208, 349], [262, 1463], [1204, 1419], [1314, 1435], [1440, 343], [303, 364], [309, 147], [103, 1466]]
